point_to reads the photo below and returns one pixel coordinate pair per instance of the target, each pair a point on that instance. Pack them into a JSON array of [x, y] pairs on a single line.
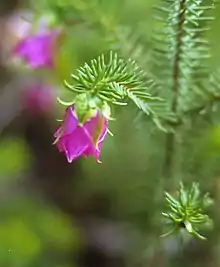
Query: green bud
[[188, 211], [86, 107], [82, 107]]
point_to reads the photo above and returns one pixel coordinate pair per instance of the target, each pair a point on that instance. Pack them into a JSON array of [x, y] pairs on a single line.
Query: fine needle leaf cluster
[[187, 212], [116, 81]]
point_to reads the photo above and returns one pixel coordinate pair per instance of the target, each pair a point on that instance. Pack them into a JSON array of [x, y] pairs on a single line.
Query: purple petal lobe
[[74, 146], [76, 140], [70, 122], [37, 50]]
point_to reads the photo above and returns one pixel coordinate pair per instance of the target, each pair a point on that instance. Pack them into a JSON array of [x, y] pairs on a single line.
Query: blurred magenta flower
[[38, 98], [38, 50], [77, 140]]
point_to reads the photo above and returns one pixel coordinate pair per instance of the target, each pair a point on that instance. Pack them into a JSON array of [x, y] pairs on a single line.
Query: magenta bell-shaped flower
[[38, 98], [77, 140], [38, 50]]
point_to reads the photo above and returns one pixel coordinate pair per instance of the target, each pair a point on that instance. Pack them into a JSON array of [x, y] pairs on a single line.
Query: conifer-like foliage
[[113, 80], [188, 211], [181, 53], [170, 82], [185, 51]]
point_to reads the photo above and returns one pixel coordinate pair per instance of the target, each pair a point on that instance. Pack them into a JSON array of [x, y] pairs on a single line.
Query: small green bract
[[188, 211]]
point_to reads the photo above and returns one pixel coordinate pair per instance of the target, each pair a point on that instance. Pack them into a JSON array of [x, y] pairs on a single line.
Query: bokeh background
[[84, 214]]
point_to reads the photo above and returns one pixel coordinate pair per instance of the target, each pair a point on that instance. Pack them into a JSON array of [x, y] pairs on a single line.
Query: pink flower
[[76, 140], [38, 50], [38, 98]]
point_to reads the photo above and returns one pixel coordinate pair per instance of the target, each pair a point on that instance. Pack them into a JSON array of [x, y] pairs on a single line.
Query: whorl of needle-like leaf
[[114, 80], [209, 101], [181, 49], [187, 212]]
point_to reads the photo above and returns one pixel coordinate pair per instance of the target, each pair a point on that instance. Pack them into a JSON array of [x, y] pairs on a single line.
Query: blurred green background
[[55, 214]]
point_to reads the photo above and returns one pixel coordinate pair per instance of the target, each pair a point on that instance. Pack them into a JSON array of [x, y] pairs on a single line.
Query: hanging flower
[[77, 140], [38, 98], [38, 50]]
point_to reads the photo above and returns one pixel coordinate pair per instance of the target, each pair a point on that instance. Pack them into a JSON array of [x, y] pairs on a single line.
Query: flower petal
[[38, 98], [70, 121], [104, 131], [91, 125], [95, 149], [74, 145], [76, 140], [37, 50]]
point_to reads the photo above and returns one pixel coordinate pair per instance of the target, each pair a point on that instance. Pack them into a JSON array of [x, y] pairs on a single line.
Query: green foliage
[[188, 211], [180, 62], [114, 81], [179, 74], [183, 49], [177, 71]]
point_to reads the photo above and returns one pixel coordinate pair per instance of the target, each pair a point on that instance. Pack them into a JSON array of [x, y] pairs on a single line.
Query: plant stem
[[170, 140]]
